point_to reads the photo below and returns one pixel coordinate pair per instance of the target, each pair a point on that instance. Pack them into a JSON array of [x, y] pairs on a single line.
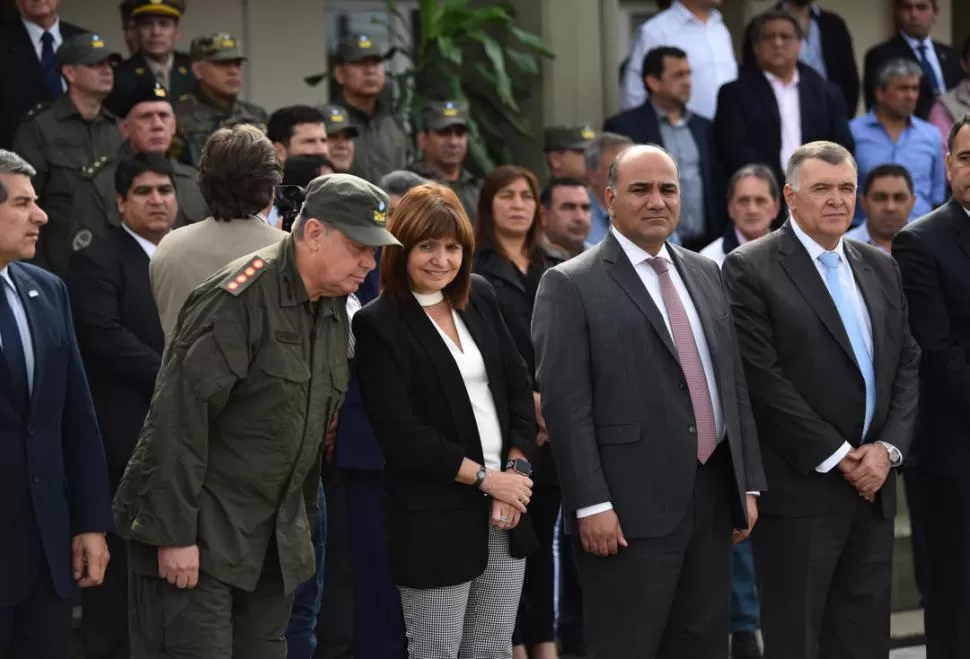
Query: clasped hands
[[866, 468], [510, 493]]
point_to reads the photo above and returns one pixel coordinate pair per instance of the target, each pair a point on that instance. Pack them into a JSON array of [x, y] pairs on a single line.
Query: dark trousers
[[378, 622], [301, 634], [946, 515], [667, 597], [536, 621], [914, 501], [39, 625], [104, 625], [825, 582], [744, 593], [335, 627]]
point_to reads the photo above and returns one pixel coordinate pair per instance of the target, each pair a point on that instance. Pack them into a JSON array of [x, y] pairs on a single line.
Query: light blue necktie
[[853, 324]]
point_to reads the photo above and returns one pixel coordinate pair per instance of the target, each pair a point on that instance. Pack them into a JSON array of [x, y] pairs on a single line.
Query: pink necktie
[[690, 361]]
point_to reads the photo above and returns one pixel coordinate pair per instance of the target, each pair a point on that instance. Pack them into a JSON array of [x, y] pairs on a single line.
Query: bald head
[[651, 151], [643, 196]]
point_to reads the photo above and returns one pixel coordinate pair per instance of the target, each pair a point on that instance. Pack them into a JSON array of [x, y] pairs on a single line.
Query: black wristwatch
[[480, 477], [519, 466]]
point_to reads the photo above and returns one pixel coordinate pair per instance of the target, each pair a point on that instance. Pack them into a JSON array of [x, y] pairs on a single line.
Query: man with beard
[[887, 201], [566, 217], [340, 137], [444, 143]]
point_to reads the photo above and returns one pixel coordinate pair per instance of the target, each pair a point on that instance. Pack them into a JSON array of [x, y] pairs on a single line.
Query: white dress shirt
[[790, 112], [651, 281], [930, 57], [20, 315], [147, 246], [709, 52], [36, 34]]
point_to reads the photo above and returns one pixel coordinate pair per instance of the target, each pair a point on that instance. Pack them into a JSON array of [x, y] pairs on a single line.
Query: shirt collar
[[778, 82], [813, 248], [634, 252], [916, 43], [742, 239], [688, 17], [148, 246], [814, 9], [663, 115], [36, 32], [5, 274]]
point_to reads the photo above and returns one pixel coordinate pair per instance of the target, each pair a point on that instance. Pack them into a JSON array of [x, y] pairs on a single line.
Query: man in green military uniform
[[148, 125], [565, 148], [383, 143], [340, 137], [443, 141], [214, 103], [216, 499], [157, 25], [64, 137]]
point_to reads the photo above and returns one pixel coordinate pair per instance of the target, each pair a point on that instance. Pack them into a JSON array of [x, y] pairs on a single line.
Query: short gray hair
[[758, 171], [11, 163], [400, 181], [602, 143], [829, 152], [899, 67]]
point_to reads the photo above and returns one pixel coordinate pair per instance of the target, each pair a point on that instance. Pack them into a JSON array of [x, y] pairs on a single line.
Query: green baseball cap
[[568, 138], [438, 115], [354, 206], [86, 49], [336, 120], [220, 47], [357, 48]]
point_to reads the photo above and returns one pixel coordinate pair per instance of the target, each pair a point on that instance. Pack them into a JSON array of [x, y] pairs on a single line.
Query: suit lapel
[[805, 276], [694, 280], [24, 51], [485, 340], [622, 271], [960, 223], [32, 303]]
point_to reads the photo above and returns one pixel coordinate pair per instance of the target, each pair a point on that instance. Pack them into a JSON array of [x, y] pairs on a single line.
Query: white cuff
[[593, 510], [891, 448], [753, 493], [834, 459]]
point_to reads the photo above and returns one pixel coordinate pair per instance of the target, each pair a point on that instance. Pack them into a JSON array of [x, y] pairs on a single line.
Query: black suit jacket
[[414, 396], [53, 480], [934, 256], [748, 125], [837, 53], [22, 84], [878, 55], [120, 336], [642, 125], [807, 392]]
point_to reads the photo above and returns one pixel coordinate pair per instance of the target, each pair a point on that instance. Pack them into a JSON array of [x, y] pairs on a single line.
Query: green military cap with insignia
[[219, 47], [173, 8], [439, 115], [336, 120], [357, 208], [357, 48], [146, 91], [86, 49], [568, 138]]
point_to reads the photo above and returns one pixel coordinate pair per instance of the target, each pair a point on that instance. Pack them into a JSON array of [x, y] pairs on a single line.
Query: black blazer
[[120, 336], [807, 392], [748, 125], [934, 256], [878, 55], [22, 83], [642, 125], [437, 528], [53, 480], [837, 53]]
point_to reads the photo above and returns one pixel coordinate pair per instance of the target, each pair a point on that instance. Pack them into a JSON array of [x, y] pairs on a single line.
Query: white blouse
[[471, 365]]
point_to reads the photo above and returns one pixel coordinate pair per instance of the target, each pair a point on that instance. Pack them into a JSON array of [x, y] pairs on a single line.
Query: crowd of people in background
[[351, 399]]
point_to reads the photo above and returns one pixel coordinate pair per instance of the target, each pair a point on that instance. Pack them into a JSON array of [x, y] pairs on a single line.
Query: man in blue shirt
[[889, 133]]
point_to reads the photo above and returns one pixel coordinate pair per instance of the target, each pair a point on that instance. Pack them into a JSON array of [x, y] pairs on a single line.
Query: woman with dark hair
[[450, 402], [510, 257]]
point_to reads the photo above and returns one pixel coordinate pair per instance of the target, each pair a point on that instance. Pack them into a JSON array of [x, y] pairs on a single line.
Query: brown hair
[[485, 222], [428, 211], [238, 172]]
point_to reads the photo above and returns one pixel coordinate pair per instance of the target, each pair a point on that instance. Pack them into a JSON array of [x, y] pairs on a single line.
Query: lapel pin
[[33, 294]]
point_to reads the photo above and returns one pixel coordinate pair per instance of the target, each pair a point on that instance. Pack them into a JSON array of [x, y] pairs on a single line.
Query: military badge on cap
[[380, 215], [588, 133]]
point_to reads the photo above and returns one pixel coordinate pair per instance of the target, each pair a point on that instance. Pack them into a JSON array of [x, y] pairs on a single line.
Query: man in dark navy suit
[[53, 477]]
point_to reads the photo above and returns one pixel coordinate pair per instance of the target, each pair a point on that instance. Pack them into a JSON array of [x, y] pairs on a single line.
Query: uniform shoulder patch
[[241, 279], [34, 111], [92, 169]]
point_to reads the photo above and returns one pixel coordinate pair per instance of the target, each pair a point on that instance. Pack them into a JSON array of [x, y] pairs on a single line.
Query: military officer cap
[[86, 49], [568, 138], [220, 47], [439, 115], [357, 208], [357, 48], [144, 92], [172, 8], [336, 120]]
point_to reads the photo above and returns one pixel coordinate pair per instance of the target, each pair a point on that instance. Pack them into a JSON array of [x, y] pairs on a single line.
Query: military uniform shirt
[[60, 143], [230, 454], [382, 145], [135, 72], [198, 117], [467, 187]]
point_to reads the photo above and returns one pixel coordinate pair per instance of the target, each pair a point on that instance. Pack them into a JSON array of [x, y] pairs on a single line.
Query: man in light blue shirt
[[887, 201], [889, 133]]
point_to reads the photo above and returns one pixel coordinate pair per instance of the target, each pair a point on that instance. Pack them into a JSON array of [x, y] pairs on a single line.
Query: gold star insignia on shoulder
[[241, 279], [140, 71], [183, 70]]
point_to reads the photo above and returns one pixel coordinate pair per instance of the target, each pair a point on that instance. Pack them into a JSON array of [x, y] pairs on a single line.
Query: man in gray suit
[[648, 415]]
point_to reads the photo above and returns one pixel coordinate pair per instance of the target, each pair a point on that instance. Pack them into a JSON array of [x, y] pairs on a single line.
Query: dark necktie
[[928, 69], [13, 348], [48, 62]]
